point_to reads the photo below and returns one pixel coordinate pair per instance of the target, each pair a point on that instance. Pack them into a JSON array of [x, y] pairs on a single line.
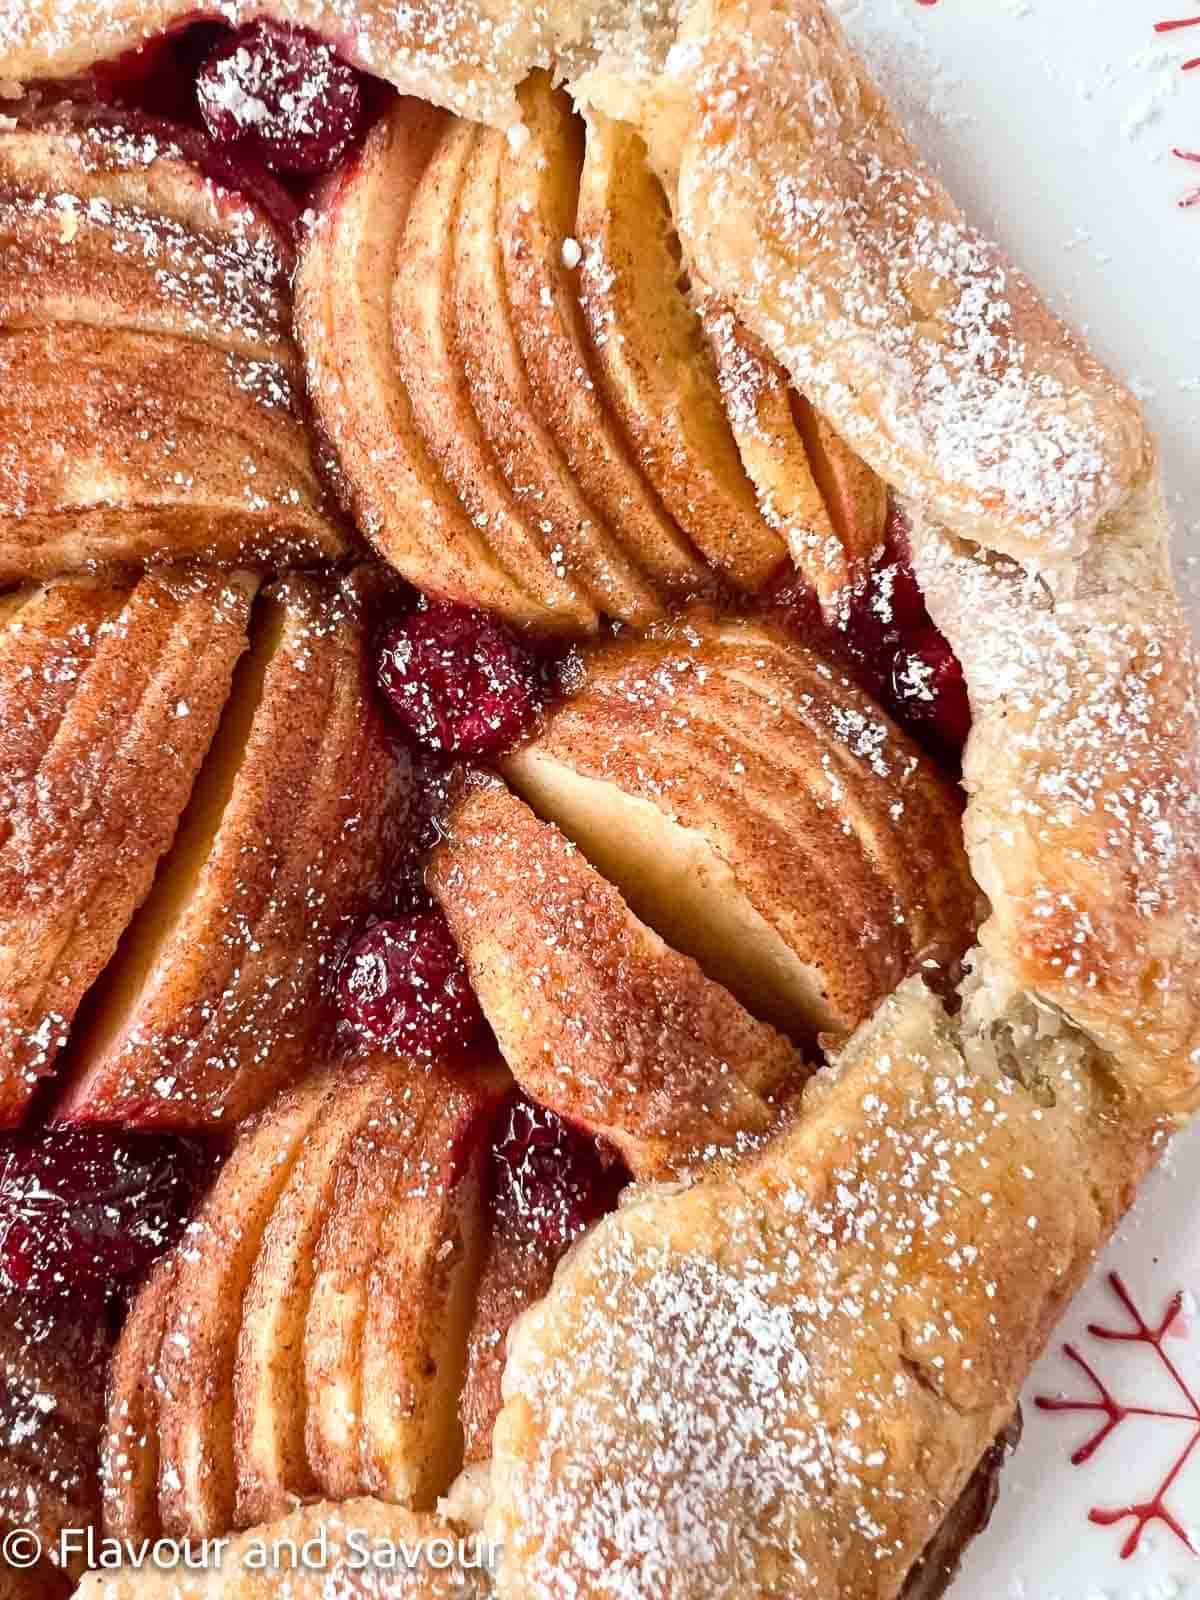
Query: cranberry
[[550, 1179], [458, 680], [84, 1210], [403, 985], [929, 689], [159, 76], [279, 94]]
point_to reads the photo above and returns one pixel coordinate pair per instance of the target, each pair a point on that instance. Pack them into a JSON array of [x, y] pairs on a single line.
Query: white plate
[[1053, 122]]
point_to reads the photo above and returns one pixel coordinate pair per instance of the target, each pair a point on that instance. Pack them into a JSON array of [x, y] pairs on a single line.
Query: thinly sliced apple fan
[[684, 761], [533, 410], [220, 1413], [217, 994], [149, 402]]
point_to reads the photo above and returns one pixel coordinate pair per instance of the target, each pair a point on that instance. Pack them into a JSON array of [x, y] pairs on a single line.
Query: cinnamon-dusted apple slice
[[393, 1285], [504, 403], [595, 1015], [539, 200], [98, 682], [268, 1379], [655, 361], [369, 1549], [431, 368], [829, 506], [129, 1448], [220, 988], [214, 1261], [150, 377], [762, 814], [343, 320]]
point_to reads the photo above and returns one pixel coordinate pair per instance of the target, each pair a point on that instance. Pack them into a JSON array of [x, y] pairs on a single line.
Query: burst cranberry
[[403, 985], [84, 1210], [279, 94], [929, 690], [458, 680], [550, 1179]]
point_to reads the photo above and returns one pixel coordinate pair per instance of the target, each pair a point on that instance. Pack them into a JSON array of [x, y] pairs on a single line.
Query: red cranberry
[[550, 1178], [458, 680], [279, 94], [403, 985], [159, 76], [929, 690], [84, 1210]]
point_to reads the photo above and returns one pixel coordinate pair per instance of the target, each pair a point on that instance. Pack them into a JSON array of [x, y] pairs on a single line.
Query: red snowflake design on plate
[[1104, 1404], [1172, 25]]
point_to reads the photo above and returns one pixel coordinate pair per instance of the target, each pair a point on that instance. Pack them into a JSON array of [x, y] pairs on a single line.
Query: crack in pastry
[[219, 989], [131, 670], [150, 405]]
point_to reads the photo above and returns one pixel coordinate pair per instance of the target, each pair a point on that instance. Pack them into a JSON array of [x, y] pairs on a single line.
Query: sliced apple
[[52, 1368], [594, 1014], [505, 405], [129, 1449], [150, 400], [420, 1301], [268, 1379], [538, 202], [856, 497], [343, 321], [356, 1550], [197, 1473], [655, 362], [831, 543], [431, 369], [393, 1285], [219, 990], [762, 814], [98, 682]]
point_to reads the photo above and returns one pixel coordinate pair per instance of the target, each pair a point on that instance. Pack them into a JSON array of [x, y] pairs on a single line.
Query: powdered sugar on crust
[[802, 199], [775, 1383]]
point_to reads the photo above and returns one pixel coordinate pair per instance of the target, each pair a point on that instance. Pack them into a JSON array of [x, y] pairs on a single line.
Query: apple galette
[[599, 829]]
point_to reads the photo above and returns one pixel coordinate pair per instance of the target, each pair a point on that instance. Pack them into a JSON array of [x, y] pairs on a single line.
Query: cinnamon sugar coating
[[151, 404]]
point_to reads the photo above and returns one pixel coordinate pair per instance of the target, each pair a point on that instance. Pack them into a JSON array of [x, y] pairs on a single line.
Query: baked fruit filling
[[373, 934]]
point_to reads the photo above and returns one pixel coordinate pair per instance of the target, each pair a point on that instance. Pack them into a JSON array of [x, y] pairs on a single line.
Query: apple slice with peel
[[151, 394], [214, 1262], [762, 814], [505, 405], [555, 955], [538, 202], [832, 541], [393, 1287], [218, 993], [343, 321], [358, 1549], [856, 497], [97, 682], [655, 362], [431, 368], [420, 1300], [129, 1455], [268, 1380]]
